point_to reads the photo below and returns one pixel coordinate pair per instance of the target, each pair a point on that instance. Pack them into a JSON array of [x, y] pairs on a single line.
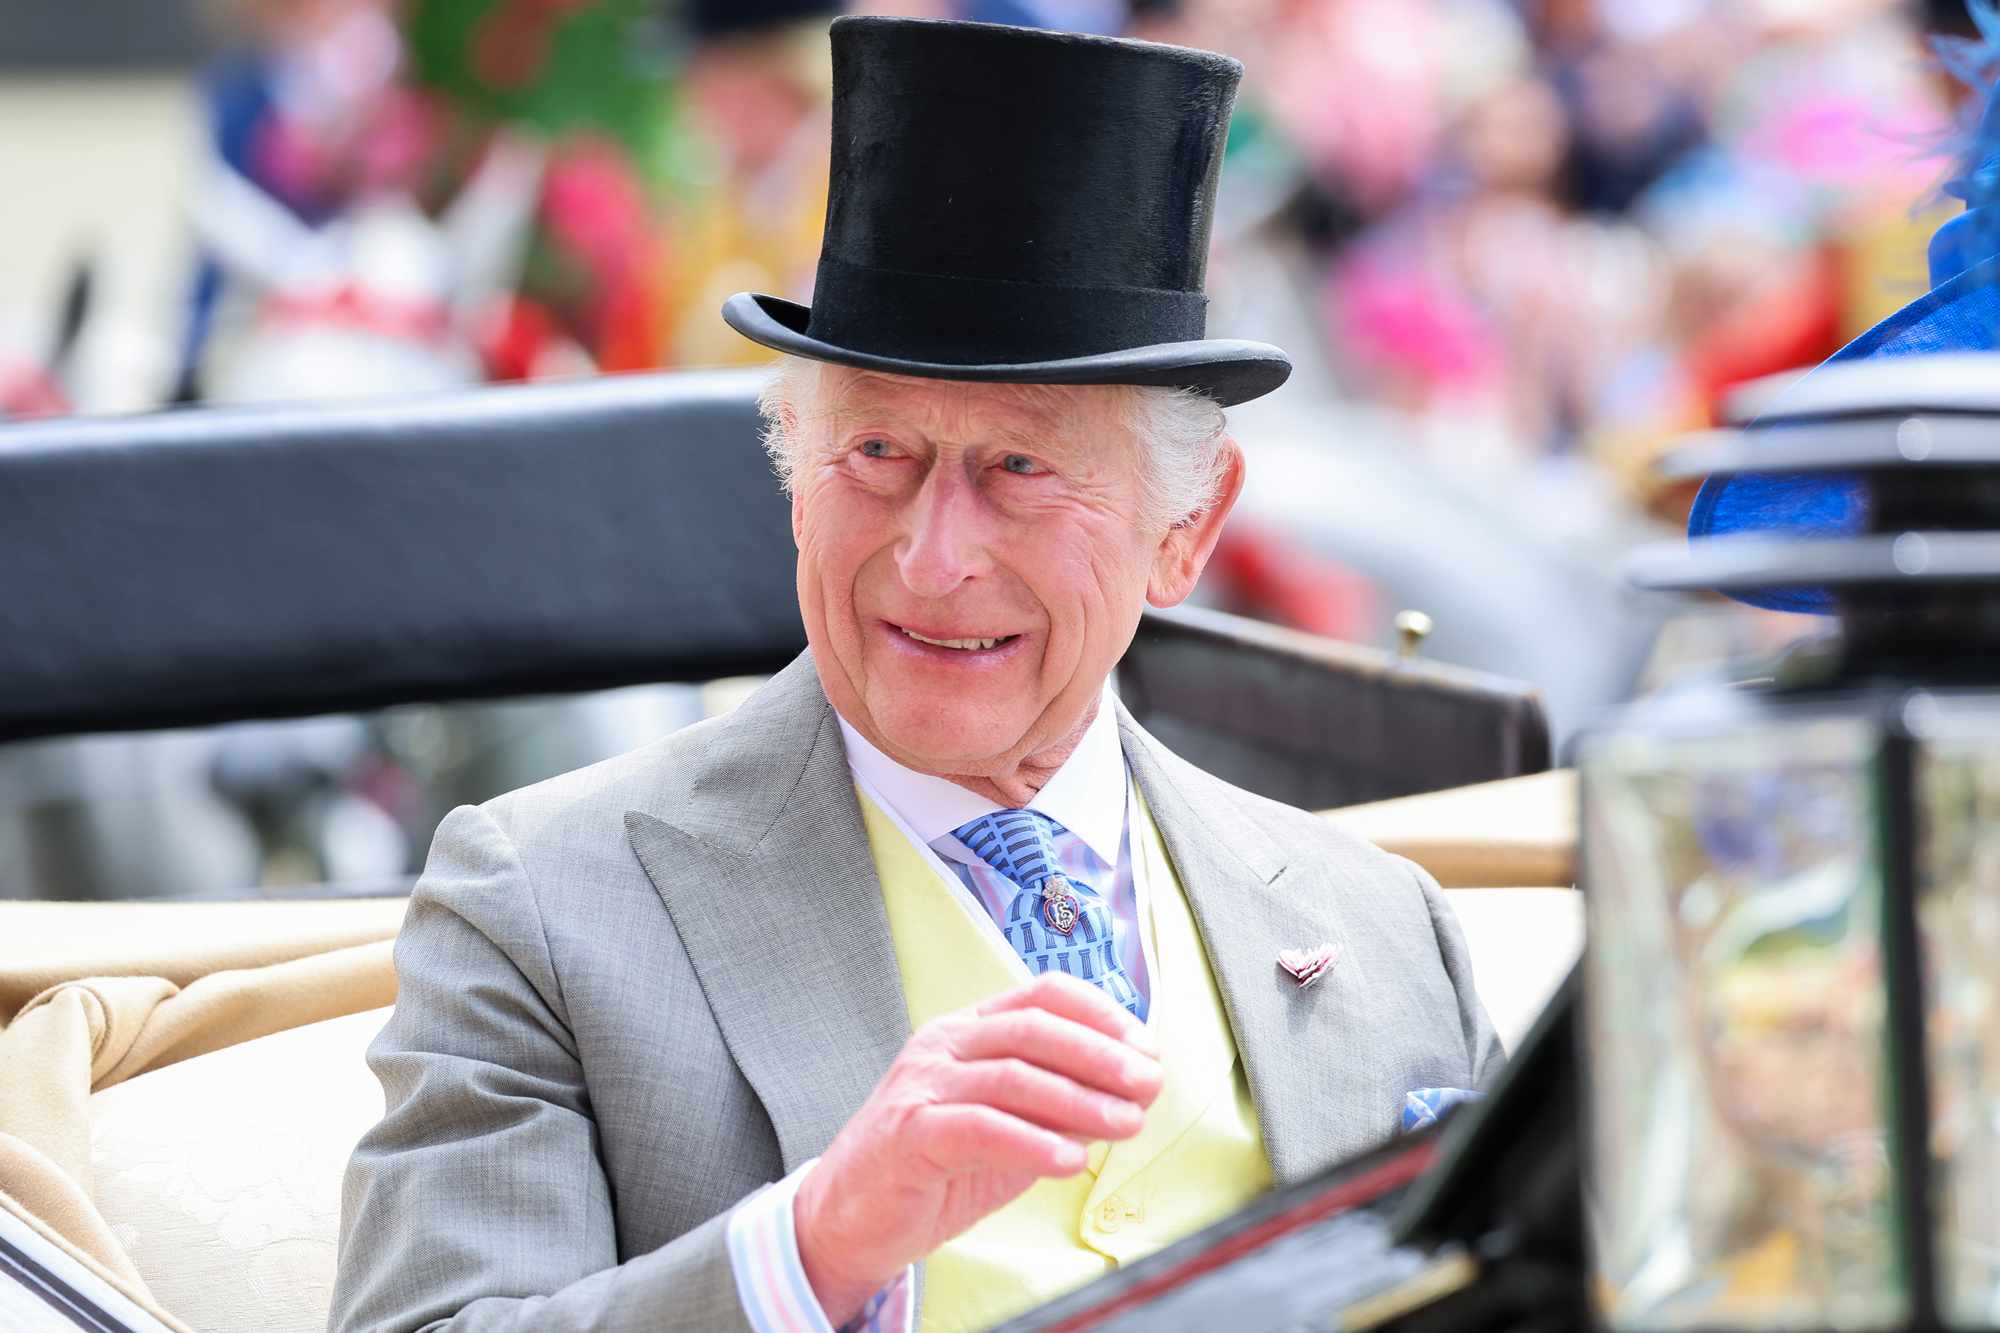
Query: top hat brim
[[1962, 313], [1228, 370]]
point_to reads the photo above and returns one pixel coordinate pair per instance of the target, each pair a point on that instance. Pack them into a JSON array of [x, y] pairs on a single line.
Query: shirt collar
[[1086, 795]]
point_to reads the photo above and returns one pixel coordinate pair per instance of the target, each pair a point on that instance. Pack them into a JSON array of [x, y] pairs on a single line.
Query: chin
[[945, 736]]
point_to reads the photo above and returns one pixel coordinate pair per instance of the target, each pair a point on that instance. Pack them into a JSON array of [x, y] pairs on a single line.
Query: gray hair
[[1183, 437]]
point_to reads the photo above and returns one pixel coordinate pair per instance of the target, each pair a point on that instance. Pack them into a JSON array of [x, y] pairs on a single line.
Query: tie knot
[[1020, 844]]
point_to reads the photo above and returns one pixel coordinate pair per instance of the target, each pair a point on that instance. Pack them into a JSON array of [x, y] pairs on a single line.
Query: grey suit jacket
[[633, 994]]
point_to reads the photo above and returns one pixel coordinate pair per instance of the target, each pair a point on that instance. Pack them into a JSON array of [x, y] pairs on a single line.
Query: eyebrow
[[857, 407]]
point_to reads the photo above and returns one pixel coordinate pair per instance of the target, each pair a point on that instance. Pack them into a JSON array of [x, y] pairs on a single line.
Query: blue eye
[[875, 448], [1019, 464]]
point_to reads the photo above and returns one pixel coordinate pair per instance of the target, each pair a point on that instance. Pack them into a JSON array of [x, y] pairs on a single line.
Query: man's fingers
[[1042, 1098], [958, 1138], [1078, 1001], [1063, 1047]]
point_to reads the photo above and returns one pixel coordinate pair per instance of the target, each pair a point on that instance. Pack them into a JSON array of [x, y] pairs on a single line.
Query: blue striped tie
[[1020, 844]]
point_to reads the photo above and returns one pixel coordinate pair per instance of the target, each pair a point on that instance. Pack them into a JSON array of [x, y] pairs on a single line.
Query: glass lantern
[[1792, 1035]]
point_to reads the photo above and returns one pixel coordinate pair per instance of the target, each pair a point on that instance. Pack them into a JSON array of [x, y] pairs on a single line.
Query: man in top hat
[[924, 986]]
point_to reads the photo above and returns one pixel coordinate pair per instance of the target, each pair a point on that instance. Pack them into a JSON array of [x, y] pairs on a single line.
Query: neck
[[1017, 786]]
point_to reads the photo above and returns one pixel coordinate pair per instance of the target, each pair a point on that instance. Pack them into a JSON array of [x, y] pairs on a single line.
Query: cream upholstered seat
[[1523, 944], [176, 1106], [220, 1175]]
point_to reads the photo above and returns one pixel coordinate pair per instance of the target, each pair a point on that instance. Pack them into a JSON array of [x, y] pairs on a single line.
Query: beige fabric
[[44, 1191], [19, 1212], [43, 944], [220, 1176], [81, 1036], [1517, 833], [56, 1049], [1523, 943]]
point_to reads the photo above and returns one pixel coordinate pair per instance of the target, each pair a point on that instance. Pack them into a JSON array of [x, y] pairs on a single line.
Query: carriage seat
[[199, 1172]]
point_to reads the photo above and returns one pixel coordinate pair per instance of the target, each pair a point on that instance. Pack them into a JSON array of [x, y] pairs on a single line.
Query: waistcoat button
[[1111, 1214]]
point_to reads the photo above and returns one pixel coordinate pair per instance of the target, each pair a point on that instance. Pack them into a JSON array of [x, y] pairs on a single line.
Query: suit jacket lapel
[[1302, 1048], [758, 852]]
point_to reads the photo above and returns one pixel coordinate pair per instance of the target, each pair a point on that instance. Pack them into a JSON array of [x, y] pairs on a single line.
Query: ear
[[1186, 546], [786, 427]]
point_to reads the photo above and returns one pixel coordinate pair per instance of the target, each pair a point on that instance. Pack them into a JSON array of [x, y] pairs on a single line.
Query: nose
[[942, 542]]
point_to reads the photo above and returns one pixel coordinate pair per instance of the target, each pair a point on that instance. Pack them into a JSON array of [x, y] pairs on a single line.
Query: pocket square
[[1427, 1106]]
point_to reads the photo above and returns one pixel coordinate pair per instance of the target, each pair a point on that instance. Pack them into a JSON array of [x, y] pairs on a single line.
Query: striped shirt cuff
[[771, 1280]]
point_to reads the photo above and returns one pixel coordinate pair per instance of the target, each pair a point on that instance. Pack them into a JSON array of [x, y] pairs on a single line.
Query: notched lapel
[[764, 867], [1302, 1047]]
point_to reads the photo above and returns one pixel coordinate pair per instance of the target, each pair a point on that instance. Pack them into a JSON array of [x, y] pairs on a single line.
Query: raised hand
[[978, 1105]]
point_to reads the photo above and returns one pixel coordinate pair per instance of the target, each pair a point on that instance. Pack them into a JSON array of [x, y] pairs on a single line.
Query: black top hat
[[1016, 205]]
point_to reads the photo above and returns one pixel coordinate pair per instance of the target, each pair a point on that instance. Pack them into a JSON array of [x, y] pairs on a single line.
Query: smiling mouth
[[962, 645]]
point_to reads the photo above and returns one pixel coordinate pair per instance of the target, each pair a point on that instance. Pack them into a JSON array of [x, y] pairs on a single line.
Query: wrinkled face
[[972, 562]]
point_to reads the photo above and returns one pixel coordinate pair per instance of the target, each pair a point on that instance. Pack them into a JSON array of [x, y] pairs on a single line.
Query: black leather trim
[[202, 566]]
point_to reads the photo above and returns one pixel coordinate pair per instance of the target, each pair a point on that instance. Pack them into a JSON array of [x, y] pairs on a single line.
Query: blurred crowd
[[1565, 229], [1543, 228]]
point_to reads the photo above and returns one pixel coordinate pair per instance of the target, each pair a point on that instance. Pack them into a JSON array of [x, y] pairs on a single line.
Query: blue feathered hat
[[1961, 313]]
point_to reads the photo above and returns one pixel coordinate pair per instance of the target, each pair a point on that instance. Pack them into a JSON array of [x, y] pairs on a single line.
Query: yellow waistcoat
[[1198, 1158]]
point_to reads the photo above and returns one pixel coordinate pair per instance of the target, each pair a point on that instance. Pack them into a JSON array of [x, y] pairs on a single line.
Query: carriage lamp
[[1792, 976]]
